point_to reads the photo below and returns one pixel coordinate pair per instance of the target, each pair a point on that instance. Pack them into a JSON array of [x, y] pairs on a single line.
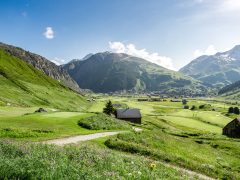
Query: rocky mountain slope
[[217, 70], [23, 85], [111, 72], [42, 64]]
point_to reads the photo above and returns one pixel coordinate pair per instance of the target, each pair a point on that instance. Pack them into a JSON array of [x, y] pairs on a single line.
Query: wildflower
[[153, 165]]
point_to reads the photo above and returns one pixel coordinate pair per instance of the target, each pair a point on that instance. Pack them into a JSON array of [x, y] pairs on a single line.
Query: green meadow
[[190, 139]]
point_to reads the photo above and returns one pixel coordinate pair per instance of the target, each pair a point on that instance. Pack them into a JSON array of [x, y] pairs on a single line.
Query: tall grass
[[25, 161]]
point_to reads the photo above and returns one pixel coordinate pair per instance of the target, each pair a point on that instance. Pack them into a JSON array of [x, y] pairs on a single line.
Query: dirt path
[[190, 173], [76, 139], [80, 138]]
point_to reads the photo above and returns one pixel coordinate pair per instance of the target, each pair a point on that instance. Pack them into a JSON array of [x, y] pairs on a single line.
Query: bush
[[186, 107], [230, 110], [193, 107], [103, 122], [205, 107], [236, 110], [202, 106]]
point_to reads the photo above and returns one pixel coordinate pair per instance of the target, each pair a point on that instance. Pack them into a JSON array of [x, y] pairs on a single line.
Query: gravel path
[[76, 139]]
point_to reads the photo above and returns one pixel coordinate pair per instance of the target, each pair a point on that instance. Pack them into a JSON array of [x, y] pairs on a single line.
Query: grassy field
[[184, 138]]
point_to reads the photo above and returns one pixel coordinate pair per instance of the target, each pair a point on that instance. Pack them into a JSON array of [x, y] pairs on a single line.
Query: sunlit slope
[[22, 84]]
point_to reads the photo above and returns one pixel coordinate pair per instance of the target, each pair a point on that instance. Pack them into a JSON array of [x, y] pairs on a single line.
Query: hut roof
[[128, 113], [236, 120]]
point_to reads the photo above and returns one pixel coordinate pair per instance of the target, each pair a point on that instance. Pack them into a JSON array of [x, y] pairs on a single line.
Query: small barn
[[132, 115], [232, 129]]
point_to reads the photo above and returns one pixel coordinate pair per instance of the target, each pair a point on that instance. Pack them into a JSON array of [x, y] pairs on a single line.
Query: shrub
[[205, 107], [103, 122], [184, 101], [193, 107], [236, 110], [230, 110], [202, 106]]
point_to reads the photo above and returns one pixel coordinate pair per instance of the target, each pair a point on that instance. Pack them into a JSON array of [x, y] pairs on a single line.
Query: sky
[[169, 33]]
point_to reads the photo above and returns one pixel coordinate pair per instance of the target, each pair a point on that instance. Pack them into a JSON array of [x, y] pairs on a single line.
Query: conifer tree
[[108, 109]]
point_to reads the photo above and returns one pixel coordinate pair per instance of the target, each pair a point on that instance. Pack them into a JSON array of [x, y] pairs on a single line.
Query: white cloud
[[230, 5], [221, 5], [49, 33], [211, 50], [58, 61], [131, 49]]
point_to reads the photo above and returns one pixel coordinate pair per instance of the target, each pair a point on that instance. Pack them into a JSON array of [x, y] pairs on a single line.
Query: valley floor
[[172, 139]]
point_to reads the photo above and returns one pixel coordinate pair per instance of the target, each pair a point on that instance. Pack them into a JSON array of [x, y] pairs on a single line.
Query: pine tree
[[108, 109]]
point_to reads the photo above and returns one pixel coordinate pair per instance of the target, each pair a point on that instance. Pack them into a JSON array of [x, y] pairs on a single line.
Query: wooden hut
[[132, 115], [232, 129]]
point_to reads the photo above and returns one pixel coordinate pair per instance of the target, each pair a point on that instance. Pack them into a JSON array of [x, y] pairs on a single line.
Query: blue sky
[[168, 32]]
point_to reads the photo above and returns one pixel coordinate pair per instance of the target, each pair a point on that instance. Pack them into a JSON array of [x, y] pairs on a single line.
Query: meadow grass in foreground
[[87, 161]]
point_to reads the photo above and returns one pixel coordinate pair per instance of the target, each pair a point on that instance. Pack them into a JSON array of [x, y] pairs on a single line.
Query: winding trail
[[76, 139], [81, 138]]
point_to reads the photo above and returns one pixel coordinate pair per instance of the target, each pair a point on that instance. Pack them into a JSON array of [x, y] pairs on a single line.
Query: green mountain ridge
[[216, 70], [42, 64], [22, 84], [110, 72]]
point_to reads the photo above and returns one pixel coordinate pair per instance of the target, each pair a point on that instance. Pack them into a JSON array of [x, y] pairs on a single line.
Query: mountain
[[111, 72], [217, 70], [232, 88], [83, 59], [42, 64], [21, 84]]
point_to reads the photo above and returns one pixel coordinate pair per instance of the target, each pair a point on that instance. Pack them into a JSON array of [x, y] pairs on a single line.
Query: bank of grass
[[87, 161], [101, 121]]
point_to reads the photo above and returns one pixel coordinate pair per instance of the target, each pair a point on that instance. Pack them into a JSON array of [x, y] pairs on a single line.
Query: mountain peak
[[218, 70]]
